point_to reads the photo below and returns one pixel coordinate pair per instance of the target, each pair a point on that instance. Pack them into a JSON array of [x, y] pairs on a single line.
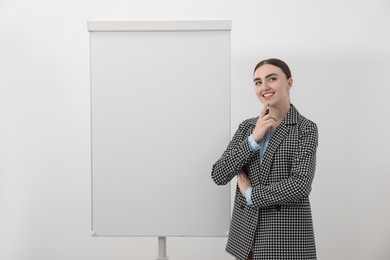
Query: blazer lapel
[[280, 134]]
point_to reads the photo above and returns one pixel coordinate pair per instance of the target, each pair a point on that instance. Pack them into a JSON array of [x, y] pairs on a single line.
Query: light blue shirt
[[261, 146]]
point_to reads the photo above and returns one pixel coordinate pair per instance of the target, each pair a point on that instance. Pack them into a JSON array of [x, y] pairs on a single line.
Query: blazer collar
[[292, 116]]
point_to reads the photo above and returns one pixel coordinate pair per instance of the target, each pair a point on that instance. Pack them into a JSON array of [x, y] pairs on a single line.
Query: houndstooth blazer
[[279, 223]]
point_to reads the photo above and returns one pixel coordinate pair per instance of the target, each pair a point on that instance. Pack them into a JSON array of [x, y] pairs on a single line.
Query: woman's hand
[[264, 122], [243, 182]]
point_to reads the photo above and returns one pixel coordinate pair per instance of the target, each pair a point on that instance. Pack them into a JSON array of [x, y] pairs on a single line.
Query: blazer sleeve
[[236, 155], [298, 185]]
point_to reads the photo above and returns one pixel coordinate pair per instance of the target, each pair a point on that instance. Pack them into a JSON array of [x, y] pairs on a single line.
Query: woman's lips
[[268, 94]]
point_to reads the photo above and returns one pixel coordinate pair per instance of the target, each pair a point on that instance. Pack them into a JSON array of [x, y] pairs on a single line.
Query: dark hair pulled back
[[276, 62]]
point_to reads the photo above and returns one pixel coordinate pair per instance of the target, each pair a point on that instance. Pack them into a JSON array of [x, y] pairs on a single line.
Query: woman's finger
[[263, 110]]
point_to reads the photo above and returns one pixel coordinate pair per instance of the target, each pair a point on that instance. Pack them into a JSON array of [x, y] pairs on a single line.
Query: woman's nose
[[265, 85]]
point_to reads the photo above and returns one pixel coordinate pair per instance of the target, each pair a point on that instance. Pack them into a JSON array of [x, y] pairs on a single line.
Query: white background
[[340, 59]]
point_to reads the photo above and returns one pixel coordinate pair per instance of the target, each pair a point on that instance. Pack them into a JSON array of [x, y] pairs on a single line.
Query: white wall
[[339, 55]]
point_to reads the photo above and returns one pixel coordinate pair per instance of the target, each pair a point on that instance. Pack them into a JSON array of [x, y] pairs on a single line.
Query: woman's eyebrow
[[268, 76]]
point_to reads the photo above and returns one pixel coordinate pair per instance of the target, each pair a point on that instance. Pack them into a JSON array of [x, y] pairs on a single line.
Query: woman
[[273, 156]]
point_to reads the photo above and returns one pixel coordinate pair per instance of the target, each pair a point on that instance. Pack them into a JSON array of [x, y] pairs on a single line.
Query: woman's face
[[271, 85]]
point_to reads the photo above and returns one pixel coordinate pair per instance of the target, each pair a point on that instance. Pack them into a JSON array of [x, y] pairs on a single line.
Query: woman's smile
[[268, 94]]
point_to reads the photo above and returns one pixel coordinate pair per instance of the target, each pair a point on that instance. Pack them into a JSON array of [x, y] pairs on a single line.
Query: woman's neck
[[279, 112]]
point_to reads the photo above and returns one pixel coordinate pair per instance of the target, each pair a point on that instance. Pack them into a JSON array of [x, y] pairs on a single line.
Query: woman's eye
[[272, 79], [258, 83]]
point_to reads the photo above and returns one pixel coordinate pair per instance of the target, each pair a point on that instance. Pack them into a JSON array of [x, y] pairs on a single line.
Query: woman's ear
[[290, 83]]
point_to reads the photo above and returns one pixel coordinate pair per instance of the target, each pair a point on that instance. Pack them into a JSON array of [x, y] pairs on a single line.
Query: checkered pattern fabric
[[279, 223]]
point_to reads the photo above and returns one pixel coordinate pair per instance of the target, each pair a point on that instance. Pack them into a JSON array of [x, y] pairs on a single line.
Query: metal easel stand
[[162, 249]]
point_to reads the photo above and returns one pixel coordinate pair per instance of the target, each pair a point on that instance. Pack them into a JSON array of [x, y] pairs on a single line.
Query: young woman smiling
[[274, 157]]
